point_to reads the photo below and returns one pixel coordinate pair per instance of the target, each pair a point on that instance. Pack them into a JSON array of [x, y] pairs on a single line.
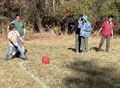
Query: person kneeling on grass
[[85, 29], [14, 37]]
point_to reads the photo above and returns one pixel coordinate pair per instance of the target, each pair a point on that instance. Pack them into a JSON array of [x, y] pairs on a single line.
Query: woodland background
[[44, 15]]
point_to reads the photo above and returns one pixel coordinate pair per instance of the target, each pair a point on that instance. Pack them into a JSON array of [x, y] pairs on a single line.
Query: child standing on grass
[[85, 28], [14, 37]]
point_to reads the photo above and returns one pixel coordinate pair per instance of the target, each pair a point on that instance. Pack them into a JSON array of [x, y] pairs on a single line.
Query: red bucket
[[45, 60]]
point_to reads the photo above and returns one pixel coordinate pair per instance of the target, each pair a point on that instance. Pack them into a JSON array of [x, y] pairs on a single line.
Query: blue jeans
[[10, 50]]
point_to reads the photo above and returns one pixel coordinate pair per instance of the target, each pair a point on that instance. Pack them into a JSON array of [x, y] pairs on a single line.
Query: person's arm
[[114, 26], [79, 25], [12, 22], [24, 31], [19, 37], [9, 38], [87, 27], [100, 30], [112, 34], [13, 44]]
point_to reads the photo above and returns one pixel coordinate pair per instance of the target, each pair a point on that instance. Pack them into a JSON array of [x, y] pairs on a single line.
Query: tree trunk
[[54, 6], [7, 5]]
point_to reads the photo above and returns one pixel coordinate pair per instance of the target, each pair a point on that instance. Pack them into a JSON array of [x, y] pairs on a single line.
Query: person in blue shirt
[[85, 30]]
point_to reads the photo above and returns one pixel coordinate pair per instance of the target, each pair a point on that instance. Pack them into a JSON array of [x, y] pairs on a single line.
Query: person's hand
[[15, 47], [111, 35], [99, 33], [25, 32], [22, 41]]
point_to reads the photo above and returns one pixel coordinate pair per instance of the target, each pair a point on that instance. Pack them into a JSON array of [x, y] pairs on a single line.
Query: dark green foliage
[[34, 10]]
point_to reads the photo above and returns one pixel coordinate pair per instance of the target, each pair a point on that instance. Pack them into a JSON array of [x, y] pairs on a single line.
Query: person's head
[[11, 27], [17, 17], [80, 17], [84, 18], [110, 18]]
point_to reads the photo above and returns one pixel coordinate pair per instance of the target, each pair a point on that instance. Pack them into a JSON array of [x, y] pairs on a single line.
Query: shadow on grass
[[96, 49], [87, 74], [72, 49]]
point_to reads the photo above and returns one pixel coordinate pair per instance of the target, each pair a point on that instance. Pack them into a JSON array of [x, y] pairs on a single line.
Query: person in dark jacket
[[77, 32], [70, 25]]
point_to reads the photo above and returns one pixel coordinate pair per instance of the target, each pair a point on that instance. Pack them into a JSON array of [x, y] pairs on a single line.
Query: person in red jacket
[[106, 31]]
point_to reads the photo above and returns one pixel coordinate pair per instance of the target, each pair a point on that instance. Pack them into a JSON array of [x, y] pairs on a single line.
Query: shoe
[[25, 51], [98, 50], [82, 53], [13, 53], [6, 57], [24, 58]]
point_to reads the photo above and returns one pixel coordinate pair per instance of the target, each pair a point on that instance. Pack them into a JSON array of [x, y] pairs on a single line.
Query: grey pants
[[107, 42], [84, 44], [78, 42]]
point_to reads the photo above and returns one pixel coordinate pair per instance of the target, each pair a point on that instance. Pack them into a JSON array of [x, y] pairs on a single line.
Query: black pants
[[78, 42]]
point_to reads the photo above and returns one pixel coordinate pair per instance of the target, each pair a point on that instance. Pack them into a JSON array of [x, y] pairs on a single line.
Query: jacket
[[85, 28]]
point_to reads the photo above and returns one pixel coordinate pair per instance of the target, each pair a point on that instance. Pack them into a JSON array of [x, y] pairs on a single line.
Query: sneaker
[[24, 58], [25, 51], [13, 53], [82, 53], [98, 50]]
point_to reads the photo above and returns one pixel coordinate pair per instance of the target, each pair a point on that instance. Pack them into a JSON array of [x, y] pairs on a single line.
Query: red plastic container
[[45, 60]]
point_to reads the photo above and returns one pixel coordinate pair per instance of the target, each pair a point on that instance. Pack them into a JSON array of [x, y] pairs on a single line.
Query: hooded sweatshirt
[[85, 27]]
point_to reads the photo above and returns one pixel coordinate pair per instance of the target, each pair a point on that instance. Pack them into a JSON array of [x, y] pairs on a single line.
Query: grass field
[[66, 69]]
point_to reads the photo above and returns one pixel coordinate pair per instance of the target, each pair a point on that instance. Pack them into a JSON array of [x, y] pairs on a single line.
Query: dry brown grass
[[66, 69]]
